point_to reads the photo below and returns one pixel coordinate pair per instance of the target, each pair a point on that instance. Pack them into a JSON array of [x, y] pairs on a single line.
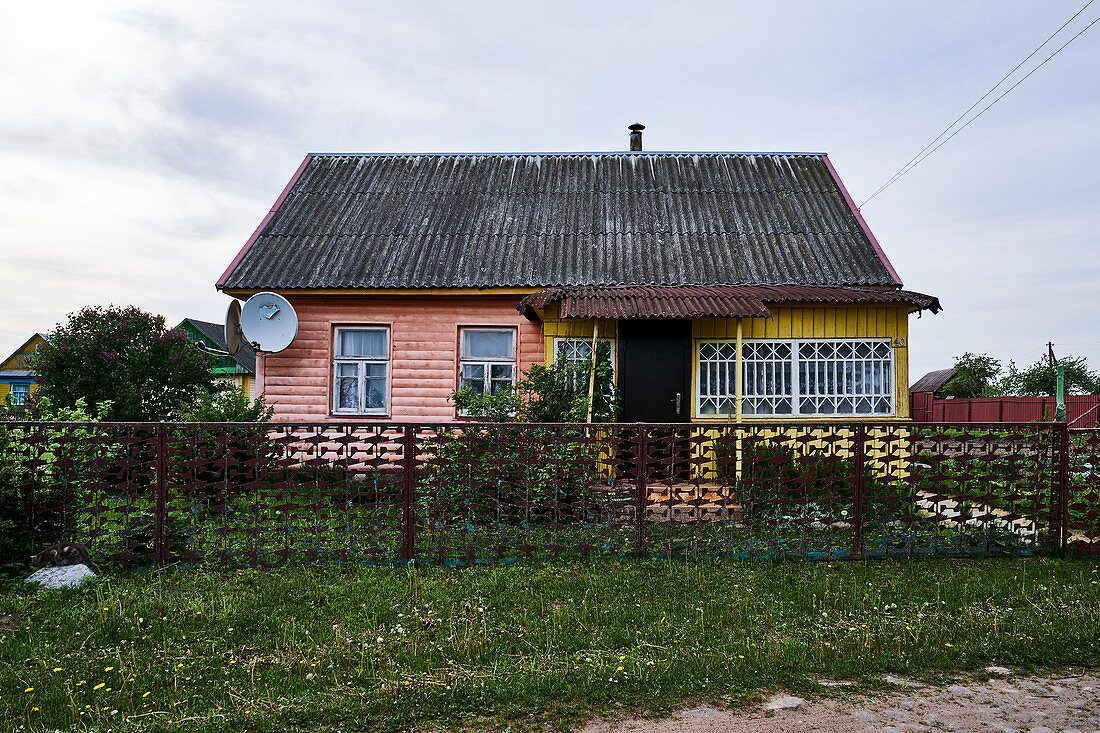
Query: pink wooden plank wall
[[423, 352]]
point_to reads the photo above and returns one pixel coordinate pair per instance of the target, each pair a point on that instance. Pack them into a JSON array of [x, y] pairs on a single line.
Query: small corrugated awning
[[723, 301]]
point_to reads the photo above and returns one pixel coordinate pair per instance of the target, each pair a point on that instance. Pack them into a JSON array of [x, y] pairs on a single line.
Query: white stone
[[786, 702], [998, 670], [66, 576], [901, 681]]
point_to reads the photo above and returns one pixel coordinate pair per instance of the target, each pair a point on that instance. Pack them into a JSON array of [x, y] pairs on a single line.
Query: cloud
[[141, 143]]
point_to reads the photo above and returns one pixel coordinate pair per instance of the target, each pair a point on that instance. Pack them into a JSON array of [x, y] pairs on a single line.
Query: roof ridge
[[566, 153]]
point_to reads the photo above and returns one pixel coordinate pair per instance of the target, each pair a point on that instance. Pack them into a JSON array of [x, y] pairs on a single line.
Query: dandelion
[[179, 665], [101, 684], [107, 669], [29, 689], [57, 669], [945, 644], [147, 694]]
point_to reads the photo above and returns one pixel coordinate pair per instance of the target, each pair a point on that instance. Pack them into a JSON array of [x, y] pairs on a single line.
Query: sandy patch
[[1008, 703]]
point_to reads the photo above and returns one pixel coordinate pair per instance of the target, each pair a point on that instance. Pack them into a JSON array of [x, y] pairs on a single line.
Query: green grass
[[314, 648]]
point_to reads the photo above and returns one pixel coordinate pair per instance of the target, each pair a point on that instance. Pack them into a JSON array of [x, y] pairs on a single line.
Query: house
[[16, 376], [731, 286], [934, 382], [926, 390], [237, 369]]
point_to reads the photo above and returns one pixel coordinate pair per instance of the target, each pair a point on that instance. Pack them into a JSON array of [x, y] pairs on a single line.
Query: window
[[810, 378], [717, 378], [20, 393], [488, 362], [361, 371], [576, 351]]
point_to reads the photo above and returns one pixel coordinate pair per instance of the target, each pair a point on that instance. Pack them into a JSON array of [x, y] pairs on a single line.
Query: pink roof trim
[[256, 234], [863, 224]]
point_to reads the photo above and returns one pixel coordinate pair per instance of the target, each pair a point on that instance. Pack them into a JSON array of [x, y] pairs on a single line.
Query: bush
[[124, 356], [42, 470]]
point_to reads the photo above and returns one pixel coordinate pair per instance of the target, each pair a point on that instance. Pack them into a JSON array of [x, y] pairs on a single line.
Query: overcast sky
[[141, 143]]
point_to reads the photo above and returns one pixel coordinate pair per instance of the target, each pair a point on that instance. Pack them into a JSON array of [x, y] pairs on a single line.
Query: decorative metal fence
[[248, 494]]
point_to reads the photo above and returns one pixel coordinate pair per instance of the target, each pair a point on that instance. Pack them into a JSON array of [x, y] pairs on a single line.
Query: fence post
[[160, 550], [408, 520], [1063, 488], [858, 461], [640, 489]]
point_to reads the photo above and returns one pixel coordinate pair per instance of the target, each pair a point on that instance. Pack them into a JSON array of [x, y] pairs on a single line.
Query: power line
[[901, 171], [918, 159]]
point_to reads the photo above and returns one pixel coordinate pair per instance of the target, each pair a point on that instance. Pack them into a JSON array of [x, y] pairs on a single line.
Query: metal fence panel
[[466, 493]]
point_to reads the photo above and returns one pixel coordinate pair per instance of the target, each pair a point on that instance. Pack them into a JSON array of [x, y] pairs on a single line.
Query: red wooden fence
[[1082, 411]]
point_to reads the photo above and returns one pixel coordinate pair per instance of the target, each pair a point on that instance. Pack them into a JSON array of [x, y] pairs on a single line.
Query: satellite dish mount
[[233, 335]]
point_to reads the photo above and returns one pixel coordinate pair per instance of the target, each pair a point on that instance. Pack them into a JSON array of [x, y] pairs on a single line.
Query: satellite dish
[[269, 322], [233, 327]]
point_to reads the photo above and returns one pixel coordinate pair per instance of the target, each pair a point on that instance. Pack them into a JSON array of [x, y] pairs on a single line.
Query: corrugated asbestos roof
[[745, 301], [934, 381], [516, 220]]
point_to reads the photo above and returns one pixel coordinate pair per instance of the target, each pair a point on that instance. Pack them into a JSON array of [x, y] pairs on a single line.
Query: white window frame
[[487, 363], [559, 340], [797, 389], [730, 369], [339, 359]]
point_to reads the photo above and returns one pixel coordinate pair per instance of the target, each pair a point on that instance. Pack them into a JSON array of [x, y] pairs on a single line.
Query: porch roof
[[725, 301]]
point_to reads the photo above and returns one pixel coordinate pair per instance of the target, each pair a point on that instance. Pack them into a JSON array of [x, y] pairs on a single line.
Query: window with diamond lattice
[[795, 377], [717, 378], [845, 378], [579, 351], [769, 389]]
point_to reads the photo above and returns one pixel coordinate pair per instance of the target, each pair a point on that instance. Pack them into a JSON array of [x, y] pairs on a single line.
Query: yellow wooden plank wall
[[806, 322], [554, 327], [794, 322]]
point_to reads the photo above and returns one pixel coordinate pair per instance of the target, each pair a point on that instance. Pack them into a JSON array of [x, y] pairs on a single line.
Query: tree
[[124, 356], [975, 375], [1041, 378]]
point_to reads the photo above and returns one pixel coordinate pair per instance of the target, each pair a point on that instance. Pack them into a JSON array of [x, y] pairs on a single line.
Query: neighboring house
[[16, 376], [416, 275], [239, 369], [934, 382]]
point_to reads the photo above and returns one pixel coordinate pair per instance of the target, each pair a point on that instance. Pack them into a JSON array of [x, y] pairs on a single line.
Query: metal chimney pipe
[[636, 136]]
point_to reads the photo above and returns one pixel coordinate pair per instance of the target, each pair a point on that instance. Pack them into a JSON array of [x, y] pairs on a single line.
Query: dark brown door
[[654, 365]]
